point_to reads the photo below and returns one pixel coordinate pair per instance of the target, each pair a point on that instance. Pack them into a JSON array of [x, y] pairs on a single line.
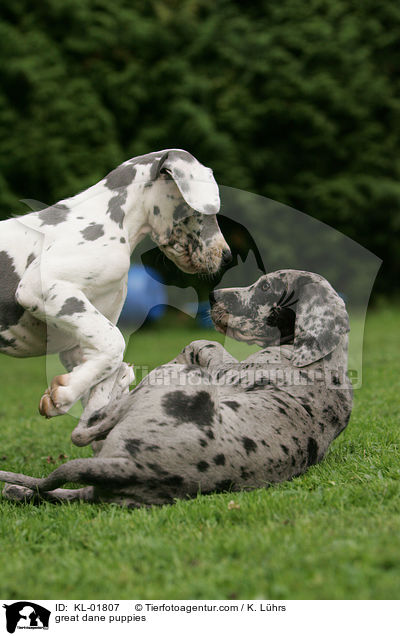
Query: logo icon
[[26, 615]]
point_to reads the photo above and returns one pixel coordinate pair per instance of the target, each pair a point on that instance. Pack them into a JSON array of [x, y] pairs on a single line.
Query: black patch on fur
[[307, 407], [10, 311], [121, 177], [157, 469], [202, 467], [244, 474], [156, 210], [332, 417], [30, 259], [196, 409], [72, 306], [219, 460], [174, 481], [54, 215], [232, 404], [98, 416], [93, 232], [260, 384], [249, 445], [312, 451], [278, 399], [181, 211], [133, 446], [114, 208]]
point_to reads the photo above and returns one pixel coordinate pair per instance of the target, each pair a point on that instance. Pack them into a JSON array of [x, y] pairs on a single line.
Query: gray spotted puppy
[[208, 423]]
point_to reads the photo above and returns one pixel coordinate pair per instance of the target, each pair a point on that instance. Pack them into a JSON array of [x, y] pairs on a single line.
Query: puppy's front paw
[[57, 399], [192, 353], [187, 355], [126, 376]]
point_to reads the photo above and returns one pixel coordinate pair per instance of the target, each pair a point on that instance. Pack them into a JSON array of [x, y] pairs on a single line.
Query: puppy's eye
[[265, 286]]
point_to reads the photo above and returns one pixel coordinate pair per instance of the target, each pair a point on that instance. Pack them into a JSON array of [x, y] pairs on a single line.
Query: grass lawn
[[333, 533]]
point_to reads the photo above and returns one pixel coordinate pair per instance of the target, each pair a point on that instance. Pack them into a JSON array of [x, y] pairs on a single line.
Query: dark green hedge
[[295, 100]]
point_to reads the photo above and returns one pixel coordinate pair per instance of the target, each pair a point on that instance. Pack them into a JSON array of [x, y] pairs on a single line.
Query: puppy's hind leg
[[95, 471]]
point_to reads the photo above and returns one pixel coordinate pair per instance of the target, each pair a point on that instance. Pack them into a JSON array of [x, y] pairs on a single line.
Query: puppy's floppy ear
[[321, 320], [157, 166], [196, 183]]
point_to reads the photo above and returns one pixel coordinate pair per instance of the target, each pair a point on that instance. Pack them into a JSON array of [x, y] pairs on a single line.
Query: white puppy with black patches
[[64, 269]]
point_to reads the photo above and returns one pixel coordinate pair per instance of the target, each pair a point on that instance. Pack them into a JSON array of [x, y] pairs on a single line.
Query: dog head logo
[[26, 615]]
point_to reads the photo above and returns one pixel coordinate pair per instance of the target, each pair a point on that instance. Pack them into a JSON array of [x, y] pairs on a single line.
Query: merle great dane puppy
[[206, 423], [63, 270]]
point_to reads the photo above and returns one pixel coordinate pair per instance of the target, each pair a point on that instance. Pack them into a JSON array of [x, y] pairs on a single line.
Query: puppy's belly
[[198, 439]]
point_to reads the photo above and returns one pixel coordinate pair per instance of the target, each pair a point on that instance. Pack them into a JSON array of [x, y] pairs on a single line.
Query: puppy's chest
[[107, 297]]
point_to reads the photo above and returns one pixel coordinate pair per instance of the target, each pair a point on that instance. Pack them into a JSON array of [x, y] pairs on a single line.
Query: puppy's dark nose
[[226, 257], [212, 298]]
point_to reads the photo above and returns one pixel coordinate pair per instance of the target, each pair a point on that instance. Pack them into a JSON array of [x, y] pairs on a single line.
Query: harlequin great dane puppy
[[207, 423], [63, 270]]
